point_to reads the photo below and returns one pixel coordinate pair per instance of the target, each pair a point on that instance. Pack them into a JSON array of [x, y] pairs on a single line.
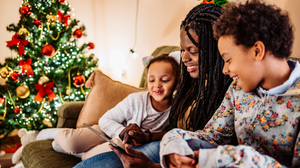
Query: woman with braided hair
[[202, 83], [201, 89]]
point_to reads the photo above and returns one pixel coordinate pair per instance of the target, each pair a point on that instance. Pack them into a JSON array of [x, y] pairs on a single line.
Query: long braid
[[207, 91]]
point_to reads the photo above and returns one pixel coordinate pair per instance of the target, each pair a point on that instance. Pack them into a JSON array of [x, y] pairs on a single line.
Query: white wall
[[110, 24]]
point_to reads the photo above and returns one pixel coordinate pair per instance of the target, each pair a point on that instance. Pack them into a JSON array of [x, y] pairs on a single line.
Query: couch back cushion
[[105, 93]]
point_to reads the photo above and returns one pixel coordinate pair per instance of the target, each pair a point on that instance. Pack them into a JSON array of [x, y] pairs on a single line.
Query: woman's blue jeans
[[111, 160], [151, 150]]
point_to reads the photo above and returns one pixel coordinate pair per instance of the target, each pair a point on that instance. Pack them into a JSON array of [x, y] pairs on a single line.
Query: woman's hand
[[177, 161], [133, 135], [133, 158]]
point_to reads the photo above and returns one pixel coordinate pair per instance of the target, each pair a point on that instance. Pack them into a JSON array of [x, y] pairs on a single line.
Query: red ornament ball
[[48, 50], [61, 1], [17, 110], [37, 22], [78, 81], [15, 76], [91, 46], [77, 33], [25, 10], [1, 99]]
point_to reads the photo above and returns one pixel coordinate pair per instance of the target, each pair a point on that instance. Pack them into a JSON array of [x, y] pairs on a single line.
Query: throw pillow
[[105, 93]]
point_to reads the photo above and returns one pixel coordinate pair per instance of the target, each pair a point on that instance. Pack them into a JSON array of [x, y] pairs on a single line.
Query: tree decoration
[[51, 33], [43, 79], [44, 89], [1, 99], [218, 2], [23, 31], [26, 65], [25, 10], [61, 17], [78, 81], [17, 110], [17, 41], [77, 33], [91, 46], [51, 19], [68, 91], [208, 1], [4, 72], [62, 1], [23, 91], [38, 23], [48, 50], [15, 76]]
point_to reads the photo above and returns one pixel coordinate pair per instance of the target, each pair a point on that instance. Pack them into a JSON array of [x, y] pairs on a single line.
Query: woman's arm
[[158, 136]]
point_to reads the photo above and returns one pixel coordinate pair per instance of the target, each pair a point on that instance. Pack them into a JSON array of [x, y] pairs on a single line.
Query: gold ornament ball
[[43, 79], [51, 18], [4, 72], [22, 91], [23, 31]]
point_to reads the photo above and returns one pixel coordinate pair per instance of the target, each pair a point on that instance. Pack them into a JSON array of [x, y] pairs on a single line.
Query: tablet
[[105, 138]]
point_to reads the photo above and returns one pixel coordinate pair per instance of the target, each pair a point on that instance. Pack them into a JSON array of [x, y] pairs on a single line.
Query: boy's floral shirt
[[266, 128]]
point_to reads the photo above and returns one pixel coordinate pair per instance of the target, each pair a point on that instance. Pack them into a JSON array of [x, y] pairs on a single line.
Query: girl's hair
[[206, 92], [169, 59]]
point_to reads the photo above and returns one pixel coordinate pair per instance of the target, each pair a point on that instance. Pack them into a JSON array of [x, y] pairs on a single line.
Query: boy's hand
[[134, 158], [133, 135], [177, 161]]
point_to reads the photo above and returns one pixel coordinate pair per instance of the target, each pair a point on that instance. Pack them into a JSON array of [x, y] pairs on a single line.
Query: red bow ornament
[[44, 89], [62, 17], [26, 66], [16, 41]]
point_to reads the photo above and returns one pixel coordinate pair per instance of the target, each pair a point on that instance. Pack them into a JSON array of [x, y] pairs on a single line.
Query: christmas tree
[[49, 69]]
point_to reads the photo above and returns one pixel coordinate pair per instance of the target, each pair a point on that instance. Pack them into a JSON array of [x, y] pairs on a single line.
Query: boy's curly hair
[[256, 21]]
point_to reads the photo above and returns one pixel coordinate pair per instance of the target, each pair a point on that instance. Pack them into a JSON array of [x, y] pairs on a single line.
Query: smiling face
[[161, 81], [189, 52], [240, 63]]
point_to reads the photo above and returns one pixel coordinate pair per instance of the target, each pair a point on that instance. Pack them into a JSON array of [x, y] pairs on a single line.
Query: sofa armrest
[[68, 114]]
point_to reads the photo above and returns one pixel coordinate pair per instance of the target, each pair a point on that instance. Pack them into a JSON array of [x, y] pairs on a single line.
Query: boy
[[261, 107]]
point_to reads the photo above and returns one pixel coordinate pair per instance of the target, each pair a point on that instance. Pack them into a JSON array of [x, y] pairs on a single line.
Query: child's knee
[[66, 141]]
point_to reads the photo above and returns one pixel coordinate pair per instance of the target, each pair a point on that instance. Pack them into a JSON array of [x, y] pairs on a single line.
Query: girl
[[149, 110]]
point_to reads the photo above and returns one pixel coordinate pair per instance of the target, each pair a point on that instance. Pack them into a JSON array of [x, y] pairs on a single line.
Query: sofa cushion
[[105, 93]]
